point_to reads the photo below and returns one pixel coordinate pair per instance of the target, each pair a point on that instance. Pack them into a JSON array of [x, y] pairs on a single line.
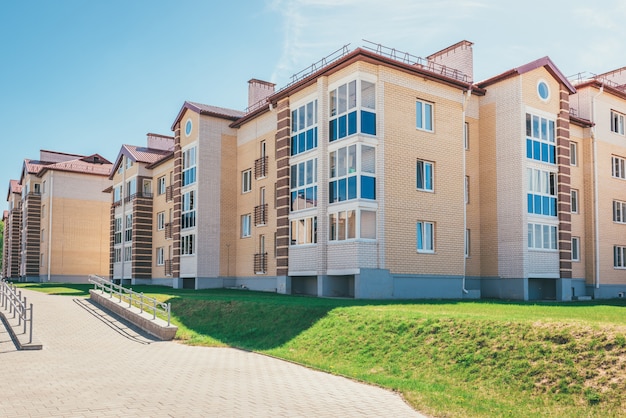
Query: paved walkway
[[92, 365]]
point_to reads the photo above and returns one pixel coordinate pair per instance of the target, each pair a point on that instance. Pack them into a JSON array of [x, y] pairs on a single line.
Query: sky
[[87, 76]]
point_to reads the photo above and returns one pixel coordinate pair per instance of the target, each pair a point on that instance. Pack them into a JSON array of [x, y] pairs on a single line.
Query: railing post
[[141, 302], [154, 308], [130, 297], [24, 313], [30, 338], [169, 310]]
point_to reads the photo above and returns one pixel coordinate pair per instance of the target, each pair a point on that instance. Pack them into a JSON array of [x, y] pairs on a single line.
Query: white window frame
[[128, 253], [574, 200], [303, 231], [161, 185], [575, 249], [617, 122], [424, 117], [246, 181], [619, 212], [303, 177], [189, 173], [160, 221], [424, 164], [542, 237], [425, 237], [619, 257], [618, 167], [188, 210], [573, 154], [188, 244], [160, 256], [246, 225]]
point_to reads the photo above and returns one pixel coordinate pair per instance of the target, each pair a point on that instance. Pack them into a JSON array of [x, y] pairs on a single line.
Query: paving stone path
[[92, 365]]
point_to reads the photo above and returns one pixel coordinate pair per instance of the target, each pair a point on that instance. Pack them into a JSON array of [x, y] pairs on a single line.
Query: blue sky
[[85, 77]]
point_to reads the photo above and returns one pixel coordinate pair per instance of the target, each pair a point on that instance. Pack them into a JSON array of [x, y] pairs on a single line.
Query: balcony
[[260, 214], [144, 195], [168, 267], [260, 167], [169, 193], [260, 263], [168, 230]]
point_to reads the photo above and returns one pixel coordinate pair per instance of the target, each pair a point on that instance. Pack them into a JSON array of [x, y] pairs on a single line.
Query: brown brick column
[[283, 146], [564, 188], [178, 161]]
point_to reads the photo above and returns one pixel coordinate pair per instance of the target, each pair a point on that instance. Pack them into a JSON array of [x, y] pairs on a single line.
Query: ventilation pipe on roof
[[466, 96], [595, 188]]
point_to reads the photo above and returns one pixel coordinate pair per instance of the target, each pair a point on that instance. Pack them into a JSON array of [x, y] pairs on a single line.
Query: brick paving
[[92, 365]]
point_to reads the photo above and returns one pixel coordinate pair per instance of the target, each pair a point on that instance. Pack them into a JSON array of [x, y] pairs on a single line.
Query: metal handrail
[[140, 300], [11, 299]]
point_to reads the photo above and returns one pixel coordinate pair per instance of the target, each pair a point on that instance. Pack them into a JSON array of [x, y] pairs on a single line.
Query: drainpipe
[[466, 96], [50, 222], [595, 189]]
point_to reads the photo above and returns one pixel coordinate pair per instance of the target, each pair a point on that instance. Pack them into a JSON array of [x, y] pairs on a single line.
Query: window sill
[[426, 252]]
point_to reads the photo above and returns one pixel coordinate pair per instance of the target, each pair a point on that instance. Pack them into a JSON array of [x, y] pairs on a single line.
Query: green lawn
[[448, 358]]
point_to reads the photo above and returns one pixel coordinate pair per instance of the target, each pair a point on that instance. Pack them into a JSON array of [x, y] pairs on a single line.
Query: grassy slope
[[447, 358]]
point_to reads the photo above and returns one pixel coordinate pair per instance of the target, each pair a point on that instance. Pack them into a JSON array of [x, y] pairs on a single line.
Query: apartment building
[[54, 227], [141, 219], [12, 219], [378, 174]]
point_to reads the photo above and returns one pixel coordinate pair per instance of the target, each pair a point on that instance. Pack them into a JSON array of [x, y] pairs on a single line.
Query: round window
[[543, 90], [188, 126]]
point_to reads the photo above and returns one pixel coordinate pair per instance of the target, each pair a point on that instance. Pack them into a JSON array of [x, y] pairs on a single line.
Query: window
[[352, 224], [573, 153], [575, 249], [43, 233], [619, 257], [425, 237], [117, 193], [189, 166], [541, 192], [246, 180], [161, 185], [424, 176], [574, 200], [543, 90], [42, 260], [541, 236], [160, 259], [117, 255], [129, 163], [304, 128], [131, 187], [618, 169], [352, 170], [188, 213], [188, 244], [540, 139], [303, 185], [117, 236], [467, 242], [352, 109], [619, 212], [128, 232], [160, 221], [304, 231], [424, 115], [617, 122], [128, 253], [245, 225]]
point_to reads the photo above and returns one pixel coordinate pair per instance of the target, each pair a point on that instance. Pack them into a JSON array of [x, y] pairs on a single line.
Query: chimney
[[259, 90], [459, 56]]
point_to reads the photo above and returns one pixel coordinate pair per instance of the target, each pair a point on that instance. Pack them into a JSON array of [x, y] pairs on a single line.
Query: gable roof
[[140, 155], [14, 187], [541, 62], [92, 164], [202, 109]]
